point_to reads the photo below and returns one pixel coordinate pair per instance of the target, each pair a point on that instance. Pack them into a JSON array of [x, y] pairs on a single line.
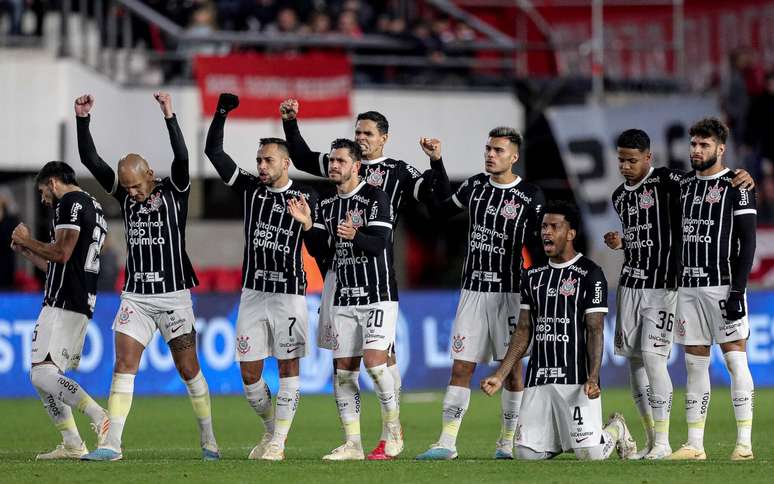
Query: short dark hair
[[275, 141], [710, 128], [354, 148], [507, 132], [635, 139], [565, 208], [56, 169], [381, 122]]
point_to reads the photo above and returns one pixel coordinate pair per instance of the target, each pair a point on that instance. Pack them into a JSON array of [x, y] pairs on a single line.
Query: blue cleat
[[103, 454], [436, 452], [503, 455], [210, 455], [504, 450]]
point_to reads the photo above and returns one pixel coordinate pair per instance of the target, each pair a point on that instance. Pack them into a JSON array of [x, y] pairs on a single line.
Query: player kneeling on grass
[[563, 306], [71, 262]]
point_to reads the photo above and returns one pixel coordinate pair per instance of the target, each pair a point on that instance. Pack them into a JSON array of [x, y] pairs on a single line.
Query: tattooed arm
[[595, 342], [516, 349]]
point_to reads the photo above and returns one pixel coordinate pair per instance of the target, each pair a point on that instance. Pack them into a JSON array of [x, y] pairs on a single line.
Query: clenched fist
[[83, 105], [288, 109], [227, 102], [165, 102], [613, 240]]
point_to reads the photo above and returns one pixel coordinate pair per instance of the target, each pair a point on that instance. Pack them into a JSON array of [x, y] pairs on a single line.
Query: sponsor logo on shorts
[[243, 345], [334, 339], [123, 315], [567, 288], [458, 343]]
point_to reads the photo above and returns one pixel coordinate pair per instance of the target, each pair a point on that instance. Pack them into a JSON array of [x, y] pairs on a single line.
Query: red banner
[[321, 82]]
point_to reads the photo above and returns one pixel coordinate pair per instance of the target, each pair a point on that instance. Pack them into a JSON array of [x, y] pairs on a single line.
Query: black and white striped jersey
[[650, 216], [363, 276], [558, 297], [272, 256], [709, 207], [73, 284], [499, 217]]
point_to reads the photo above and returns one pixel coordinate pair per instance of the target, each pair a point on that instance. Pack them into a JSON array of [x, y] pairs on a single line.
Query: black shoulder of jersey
[[585, 264], [688, 178], [298, 189], [618, 192]]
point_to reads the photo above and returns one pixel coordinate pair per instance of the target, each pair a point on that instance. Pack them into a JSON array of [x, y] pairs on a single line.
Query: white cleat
[[257, 451], [640, 454], [64, 452], [742, 452], [626, 445], [394, 445], [348, 451], [273, 451], [101, 429], [658, 452]]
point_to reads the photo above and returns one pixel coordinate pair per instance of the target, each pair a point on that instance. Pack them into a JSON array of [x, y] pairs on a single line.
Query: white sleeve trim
[[115, 183], [322, 164], [319, 226], [596, 310], [524, 306], [381, 224], [233, 178], [746, 211], [172, 180], [68, 226], [416, 188], [456, 201]]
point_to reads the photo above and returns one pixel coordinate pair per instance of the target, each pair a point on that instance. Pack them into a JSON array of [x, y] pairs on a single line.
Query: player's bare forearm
[[517, 346], [58, 251], [595, 342], [37, 261]]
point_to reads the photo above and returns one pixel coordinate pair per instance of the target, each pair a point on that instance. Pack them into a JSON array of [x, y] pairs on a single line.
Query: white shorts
[[700, 319], [271, 324], [483, 325], [141, 314], [59, 334], [645, 321], [359, 328], [556, 418], [324, 326]]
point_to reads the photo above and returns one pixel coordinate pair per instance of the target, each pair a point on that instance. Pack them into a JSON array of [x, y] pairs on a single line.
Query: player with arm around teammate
[[158, 275], [71, 262], [563, 308]]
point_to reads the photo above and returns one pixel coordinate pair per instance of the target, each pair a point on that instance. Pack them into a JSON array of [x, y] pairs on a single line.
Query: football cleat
[[103, 454], [437, 452], [64, 452], [348, 451], [658, 452], [688, 452], [210, 453], [640, 454], [378, 452], [273, 451], [101, 429], [504, 450], [394, 445], [742, 452], [625, 445], [257, 451]]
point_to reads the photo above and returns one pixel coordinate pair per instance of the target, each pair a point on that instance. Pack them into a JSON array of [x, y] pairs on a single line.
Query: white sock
[[638, 378], [62, 416], [455, 404], [48, 379], [697, 397], [601, 451], [287, 402], [397, 384], [346, 389], [742, 392], [259, 397], [511, 402], [199, 394], [385, 390], [119, 404], [660, 394]]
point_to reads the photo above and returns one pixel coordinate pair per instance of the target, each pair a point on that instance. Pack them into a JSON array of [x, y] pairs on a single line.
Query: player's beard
[[708, 163]]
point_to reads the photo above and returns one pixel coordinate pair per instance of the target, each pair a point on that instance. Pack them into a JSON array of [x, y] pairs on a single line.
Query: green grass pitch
[[161, 445]]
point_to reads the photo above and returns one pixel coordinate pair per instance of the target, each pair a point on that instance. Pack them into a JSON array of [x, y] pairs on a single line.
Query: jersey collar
[[566, 264], [508, 185], [639, 183], [281, 189], [357, 189], [374, 161], [712, 177]]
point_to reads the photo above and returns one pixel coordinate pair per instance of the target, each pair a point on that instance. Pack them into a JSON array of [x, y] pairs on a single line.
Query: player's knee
[[37, 375], [249, 374], [525, 453], [374, 358], [288, 368], [462, 372], [591, 453]]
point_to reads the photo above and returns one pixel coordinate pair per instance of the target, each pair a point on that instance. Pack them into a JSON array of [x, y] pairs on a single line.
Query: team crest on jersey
[[567, 288], [458, 343], [357, 217], [375, 176], [510, 209], [713, 196], [646, 199], [243, 345], [154, 203], [123, 315]]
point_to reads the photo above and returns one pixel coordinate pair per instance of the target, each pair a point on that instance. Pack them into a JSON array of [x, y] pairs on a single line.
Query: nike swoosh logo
[[174, 330], [657, 345], [368, 342], [294, 349], [729, 333], [739, 404], [578, 441]]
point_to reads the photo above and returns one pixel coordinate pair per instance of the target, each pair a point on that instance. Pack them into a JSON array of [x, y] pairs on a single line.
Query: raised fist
[[431, 147], [165, 102], [289, 109], [83, 105], [227, 102], [613, 240]]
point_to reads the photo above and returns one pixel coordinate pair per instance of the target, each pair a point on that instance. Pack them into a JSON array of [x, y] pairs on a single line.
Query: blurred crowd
[[747, 99], [15, 11]]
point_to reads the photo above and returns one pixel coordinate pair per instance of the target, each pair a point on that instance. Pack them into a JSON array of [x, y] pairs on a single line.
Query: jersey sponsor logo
[[632, 210], [357, 217], [243, 344], [74, 211], [597, 293], [694, 272], [153, 204], [646, 199], [744, 197], [353, 291], [271, 276], [458, 343], [510, 209], [551, 372], [567, 288], [149, 276], [697, 200], [124, 314], [486, 276], [278, 208], [375, 176], [713, 195]]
